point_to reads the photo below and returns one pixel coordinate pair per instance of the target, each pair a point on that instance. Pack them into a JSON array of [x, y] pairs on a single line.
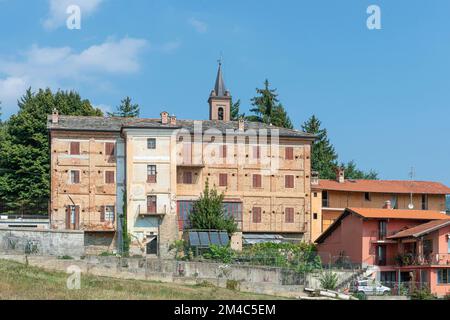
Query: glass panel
[[215, 238], [204, 238], [224, 238], [193, 238]]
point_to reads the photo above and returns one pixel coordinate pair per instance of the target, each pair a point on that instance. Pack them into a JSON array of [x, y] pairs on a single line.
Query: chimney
[[173, 120], [340, 174], [314, 178], [55, 116], [387, 205], [241, 124], [164, 117]]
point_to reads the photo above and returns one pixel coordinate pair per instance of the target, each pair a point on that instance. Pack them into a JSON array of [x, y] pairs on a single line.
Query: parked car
[[370, 287]]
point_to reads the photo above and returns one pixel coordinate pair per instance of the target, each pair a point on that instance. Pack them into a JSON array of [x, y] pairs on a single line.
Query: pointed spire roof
[[220, 88]]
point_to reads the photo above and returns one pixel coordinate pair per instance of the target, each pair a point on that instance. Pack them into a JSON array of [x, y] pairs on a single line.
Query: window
[[424, 202], [223, 180], [220, 113], [75, 148], [289, 153], [256, 181], [151, 174], [289, 181], [256, 215], [382, 230], [367, 196], [74, 176], [388, 277], [110, 149], [315, 216], [223, 151], [394, 201], [443, 276], [187, 177], [325, 202], [72, 217], [151, 143], [109, 177], [108, 214], [289, 215], [256, 152], [151, 204], [315, 194]]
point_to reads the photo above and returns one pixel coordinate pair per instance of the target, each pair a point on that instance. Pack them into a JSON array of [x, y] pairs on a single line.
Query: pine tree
[[267, 109], [323, 157], [352, 172], [235, 111], [126, 109], [24, 148]]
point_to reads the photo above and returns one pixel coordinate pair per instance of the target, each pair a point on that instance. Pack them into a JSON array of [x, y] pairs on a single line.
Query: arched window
[[220, 113]]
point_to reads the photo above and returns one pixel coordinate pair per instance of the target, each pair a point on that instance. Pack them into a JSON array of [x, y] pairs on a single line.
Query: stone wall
[[42, 242]]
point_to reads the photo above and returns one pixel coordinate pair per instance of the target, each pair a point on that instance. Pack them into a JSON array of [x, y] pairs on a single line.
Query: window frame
[[289, 181], [151, 143], [72, 148], [289, 153], [258, 178], [71, 178], [223, 179], [152, 173]]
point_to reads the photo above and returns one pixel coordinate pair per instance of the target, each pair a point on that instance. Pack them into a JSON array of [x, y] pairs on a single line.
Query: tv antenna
[[412, 174]]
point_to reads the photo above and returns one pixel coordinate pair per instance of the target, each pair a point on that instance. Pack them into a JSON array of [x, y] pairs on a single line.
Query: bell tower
[[219, 99]]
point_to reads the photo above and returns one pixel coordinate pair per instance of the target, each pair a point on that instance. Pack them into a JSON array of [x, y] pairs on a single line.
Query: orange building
[[331, 197], [398, 246]]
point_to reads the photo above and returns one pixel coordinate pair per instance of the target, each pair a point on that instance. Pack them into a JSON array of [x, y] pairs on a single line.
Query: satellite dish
[[410, 206]]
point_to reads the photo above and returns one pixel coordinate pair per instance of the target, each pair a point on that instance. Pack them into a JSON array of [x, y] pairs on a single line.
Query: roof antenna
[[412, 174]]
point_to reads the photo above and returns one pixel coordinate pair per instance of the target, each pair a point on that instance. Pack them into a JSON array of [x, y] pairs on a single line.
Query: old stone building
[[154, 170]]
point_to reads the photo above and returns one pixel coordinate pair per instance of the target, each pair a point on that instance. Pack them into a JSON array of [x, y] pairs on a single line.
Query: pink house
[[401, 246]]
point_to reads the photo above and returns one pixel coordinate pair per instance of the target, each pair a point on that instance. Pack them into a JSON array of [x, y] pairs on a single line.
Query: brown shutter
[[68, 217], [256, 181], [224, 151], [110, 148], [187, 177], [256, 152], [289, 215], [256, 215], [76, 177], [289, 181], [109, 177], [75, 148], [102, 213], [223, 177], [151, 204], [77, 217], [289, 153]]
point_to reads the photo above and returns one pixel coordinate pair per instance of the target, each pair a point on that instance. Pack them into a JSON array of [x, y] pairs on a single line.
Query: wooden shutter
[[109, 177], [256, 152], [102, 213], [77, 217], [74, 148], [223, 177], [289, 153], [256, 215], [289, 215], [76, 176], [256, 181], [223, 151], [289, 181], [187, 177], [68, 217], [151, 204], [110, 148]]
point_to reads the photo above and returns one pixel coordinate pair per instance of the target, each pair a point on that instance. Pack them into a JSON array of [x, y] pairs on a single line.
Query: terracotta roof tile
[[385, 186], [421, 229], [399, 214]]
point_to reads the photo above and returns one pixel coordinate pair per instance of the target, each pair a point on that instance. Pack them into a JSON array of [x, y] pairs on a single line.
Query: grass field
[[18, 281]]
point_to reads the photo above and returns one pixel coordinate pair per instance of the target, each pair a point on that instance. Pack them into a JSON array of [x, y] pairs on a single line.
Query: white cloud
[[198, 25], [57, 15], [63, 67]]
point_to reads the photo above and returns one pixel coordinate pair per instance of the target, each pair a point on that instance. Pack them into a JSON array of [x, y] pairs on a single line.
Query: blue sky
[[382, 94]]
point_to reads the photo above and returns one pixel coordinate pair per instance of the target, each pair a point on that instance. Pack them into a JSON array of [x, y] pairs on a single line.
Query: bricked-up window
[[75, 148], [109, 177], [289, 215], [223, 180], [256, 152], [151, 143], [223, 151], [110, 149], [257, 181], [151, 204], [289, 181], [187, 177], [256, 215], [74, 176], [151, 174], [289, 153]]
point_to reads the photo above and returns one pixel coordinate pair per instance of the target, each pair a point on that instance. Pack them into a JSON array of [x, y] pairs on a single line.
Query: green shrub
[[106, 254], [65, 257], [360, 296], [222, 254], [328, 280], [233, 285], [422, 294]]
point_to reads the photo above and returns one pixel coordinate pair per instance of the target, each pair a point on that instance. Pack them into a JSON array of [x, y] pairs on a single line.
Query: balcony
[[381, 237], [409, 259], [145, 211]]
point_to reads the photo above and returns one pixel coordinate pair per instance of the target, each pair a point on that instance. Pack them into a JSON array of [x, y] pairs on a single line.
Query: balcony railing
[[144, 212], [407, 259], [382, 236]]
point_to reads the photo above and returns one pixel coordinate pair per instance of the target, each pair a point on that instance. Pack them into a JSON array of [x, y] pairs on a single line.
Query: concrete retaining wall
[[42, 242]]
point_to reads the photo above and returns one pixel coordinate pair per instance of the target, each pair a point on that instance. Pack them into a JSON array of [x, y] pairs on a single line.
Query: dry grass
[[18, 281]]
